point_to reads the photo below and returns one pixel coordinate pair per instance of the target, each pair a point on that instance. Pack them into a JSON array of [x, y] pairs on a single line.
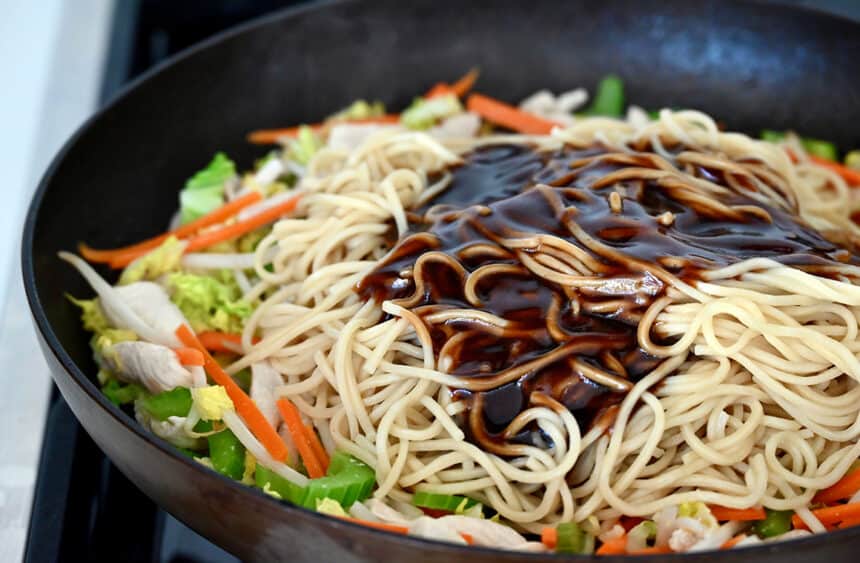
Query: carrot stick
[[724, 514], [228, 232], [615, 546], [439, 89], [396, 528], [220, 341], [830, 515], [508, 116], [465, 83], [841, 490], [850, 176], [549, 537], [272, 136], [299, 433], [246, 408], [849, 523], [217, 216], [316, 445], [189, 357], [733, 542]]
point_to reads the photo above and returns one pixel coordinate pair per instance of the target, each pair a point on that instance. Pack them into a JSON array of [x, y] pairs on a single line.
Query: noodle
[[756, 401]]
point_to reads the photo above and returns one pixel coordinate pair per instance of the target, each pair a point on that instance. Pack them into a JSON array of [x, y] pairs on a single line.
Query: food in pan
[[566, 325]]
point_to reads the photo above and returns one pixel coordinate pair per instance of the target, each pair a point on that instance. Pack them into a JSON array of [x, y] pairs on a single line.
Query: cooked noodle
[[756, 401]]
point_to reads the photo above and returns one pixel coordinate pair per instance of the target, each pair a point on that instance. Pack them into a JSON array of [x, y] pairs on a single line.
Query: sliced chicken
[[153, 306], [349, 136], [152, 365], [488, 533]]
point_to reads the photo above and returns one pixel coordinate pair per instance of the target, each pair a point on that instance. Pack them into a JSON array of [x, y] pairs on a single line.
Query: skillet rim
[[77, 375]]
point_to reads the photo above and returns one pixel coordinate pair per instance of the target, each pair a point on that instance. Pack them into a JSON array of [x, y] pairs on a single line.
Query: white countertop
[[53, 50]]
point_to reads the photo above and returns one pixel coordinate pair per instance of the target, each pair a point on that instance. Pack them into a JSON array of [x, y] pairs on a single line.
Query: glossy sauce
[[521, 193]]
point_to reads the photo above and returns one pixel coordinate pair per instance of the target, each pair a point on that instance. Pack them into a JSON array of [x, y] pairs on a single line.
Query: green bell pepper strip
[[227, 454], [176, 402], [437, 501], [816, 147], [776, 523], [608, 98], [269, 480]]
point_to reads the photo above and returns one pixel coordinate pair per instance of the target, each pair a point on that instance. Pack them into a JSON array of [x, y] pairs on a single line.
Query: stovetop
[[84, 509]]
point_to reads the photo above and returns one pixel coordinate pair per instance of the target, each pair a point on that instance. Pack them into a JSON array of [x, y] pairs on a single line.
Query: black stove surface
[[84, 509]]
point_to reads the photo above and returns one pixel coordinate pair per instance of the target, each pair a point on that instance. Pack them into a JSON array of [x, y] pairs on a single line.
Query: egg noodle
[[755, 400]]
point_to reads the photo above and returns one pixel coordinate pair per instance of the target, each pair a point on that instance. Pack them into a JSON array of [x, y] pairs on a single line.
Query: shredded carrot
[[126, 254], [733, 542], [830, 515], [850, 176], [220, 341], [317, 446], [849, 523], [724, 514], [240, 228], [246, 408], [301, 439], [465, 83], [396, 528], [508, 116], [841, 490], [439, 89], [549, 537], [616, 546], [189, 356], [272, 136]]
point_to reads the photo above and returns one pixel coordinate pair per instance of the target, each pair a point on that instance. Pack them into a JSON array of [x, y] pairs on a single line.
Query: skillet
[[749, 64]]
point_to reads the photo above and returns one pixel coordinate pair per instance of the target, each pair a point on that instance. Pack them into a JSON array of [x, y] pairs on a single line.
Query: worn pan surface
[[115, 181]]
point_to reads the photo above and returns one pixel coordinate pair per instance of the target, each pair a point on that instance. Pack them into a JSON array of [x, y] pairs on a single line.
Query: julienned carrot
[[217, 216], [616, 546], [508, 116], [850, 176], [830, 515], [246, 408], [272, 136], [439, 89], [398, 529], [299, 433], [220, 341], [841, 490], [189, 357], [849, 523], [317, 447], [459, 88], [465, 83], [725, 514], [240, 228], [549, 537], [733, 542]]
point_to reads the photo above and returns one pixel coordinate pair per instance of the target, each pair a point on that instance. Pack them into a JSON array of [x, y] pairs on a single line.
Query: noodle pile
[[756, 400]]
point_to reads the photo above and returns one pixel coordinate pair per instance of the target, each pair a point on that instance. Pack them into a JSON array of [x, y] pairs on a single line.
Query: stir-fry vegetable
[[438, 501], [775, 523], [608, 99], [176, 402], [227, 454], [304, 439], [508, 116], [204, 192]]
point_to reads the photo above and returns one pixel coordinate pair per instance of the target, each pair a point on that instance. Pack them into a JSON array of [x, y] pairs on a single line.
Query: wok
[[115, 181]]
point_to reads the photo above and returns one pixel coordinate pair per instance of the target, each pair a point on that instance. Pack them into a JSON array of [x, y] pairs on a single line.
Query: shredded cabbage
[[159, 261], [204, 192], [360, 109], [424, 113], [331, 507], [209, 303], [305, 146], [92, 316]]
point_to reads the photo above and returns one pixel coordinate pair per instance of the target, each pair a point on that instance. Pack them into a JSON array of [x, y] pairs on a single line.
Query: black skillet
[[115, 181]]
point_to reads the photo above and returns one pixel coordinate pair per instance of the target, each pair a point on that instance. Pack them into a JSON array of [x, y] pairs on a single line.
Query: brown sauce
[[511, 334]]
